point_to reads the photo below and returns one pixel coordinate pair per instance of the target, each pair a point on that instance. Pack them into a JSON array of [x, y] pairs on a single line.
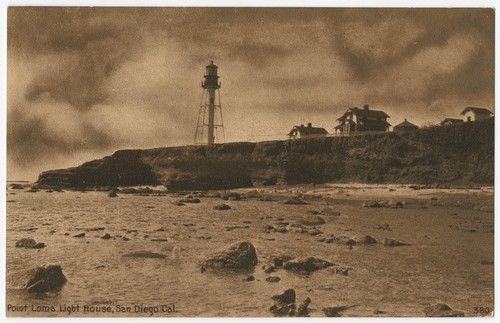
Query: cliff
[[460, 154]]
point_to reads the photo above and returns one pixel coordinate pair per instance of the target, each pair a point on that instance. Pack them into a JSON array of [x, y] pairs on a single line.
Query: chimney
[[309, 125], [366, 107]]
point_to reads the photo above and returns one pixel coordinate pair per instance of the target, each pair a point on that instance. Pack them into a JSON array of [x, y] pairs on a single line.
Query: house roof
[[365, 113], [451, 120], [405, 124], [476, 111], [305, 130]]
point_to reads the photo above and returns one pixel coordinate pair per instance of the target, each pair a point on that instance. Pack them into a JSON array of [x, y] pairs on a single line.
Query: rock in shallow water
[[311, 219], [363, 239], [442, 310], [273, 279], [233, 196], [222, 207], [144, 254], [29, 243], [303, 310], [45, 279], [193, 200], [371, 204], [307, 264], [287, 297], [393, 243], [334, 311], [240, 255]]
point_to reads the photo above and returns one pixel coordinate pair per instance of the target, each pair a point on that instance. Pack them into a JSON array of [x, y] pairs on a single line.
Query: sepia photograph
[[249, 162]]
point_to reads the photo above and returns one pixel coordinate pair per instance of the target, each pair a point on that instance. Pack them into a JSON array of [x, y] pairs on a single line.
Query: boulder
[[79, 235], [307, 264], [284, 310], [29, 243], [144, 254], [240, 255], [266, 199], [392, 243], [233, 196], [112, 193], [107, 236], [279, 261], [284, 304], [330, 212], [273, 279], [17, 186], [294, 201], [222, 207], [364, 239], [350, 243], [250, 278], [45, 279], [303, 310], [287, 297], [311, 219], [442, 310], [39, 245]]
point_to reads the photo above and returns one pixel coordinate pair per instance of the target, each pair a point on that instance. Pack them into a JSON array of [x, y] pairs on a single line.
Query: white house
[[473, 114], [298, 132]]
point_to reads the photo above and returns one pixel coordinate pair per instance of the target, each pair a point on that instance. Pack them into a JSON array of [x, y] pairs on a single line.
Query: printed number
[[481, 310]]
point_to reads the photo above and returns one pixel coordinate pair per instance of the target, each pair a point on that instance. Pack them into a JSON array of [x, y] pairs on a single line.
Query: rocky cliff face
[[454, 155]]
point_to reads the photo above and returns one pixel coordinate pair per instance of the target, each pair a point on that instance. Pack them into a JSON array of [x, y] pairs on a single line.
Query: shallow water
[[442, 264]]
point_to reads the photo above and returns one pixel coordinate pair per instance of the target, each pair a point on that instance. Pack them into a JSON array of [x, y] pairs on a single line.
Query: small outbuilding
[[302, 131], [473, 114], [450, 121], [405, 126]]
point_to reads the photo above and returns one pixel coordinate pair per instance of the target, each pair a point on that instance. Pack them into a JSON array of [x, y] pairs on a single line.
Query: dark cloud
[[80, 78], [32, 139]]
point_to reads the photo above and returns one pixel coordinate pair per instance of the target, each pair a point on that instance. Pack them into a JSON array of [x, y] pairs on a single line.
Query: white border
[[215, 3]]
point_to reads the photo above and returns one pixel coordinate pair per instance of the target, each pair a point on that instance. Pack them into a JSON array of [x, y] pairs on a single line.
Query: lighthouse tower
[[210, 113]]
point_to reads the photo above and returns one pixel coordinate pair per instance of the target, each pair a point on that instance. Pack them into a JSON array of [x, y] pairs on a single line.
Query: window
[[469, 119]]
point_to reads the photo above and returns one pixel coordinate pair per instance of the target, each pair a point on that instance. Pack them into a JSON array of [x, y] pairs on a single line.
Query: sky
[[85, 82]]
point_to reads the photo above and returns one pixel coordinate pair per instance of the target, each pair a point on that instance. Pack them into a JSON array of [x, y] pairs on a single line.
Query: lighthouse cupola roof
[[212, 69]]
